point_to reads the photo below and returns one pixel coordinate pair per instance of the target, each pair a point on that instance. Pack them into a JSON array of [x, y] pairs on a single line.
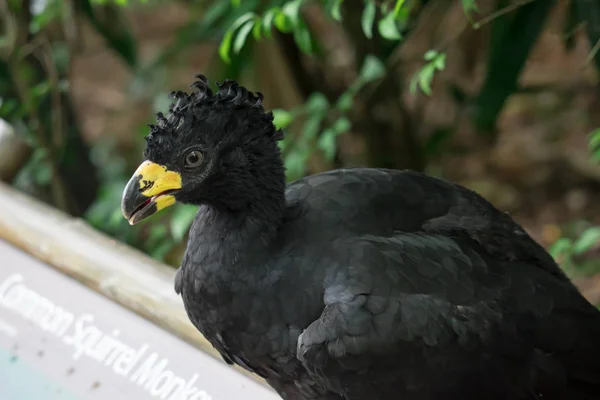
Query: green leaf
[[242, 19], [424, 77], [243, 35], [469, 6], [236, 3], [282, 22], [312, 125], [182, 220], [295, 163], [327, 139], [372, 69], [560, 247], [267, 22], [8, 107], [292, 10], [219, 15], [595, 140], [43, 174], [439, 62], [368, 17], [283, 144], [414, 83], [398, 7], [336, 10], [430, 55], [51, 11], [594, 145], [40, 90], [327, 143], [341, 125], [257, 30], [388, 29], [316, 103], [282, 118], [588, 239], [118, 37], [225, 46], [303, 38], [425, 80], [345, 101], [214, 13], [512, 38]]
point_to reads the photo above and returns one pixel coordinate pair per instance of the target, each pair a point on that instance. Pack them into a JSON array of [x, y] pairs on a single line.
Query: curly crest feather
[[229, 95]]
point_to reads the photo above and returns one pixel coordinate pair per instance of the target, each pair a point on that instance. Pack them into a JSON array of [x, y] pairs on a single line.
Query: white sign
[[138, 364], [67, 341]]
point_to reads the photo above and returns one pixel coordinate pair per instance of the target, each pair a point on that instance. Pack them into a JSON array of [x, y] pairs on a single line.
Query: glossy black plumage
[[366, 283]]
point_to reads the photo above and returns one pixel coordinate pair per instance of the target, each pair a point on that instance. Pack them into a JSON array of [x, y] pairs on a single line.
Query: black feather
[[365, 283]]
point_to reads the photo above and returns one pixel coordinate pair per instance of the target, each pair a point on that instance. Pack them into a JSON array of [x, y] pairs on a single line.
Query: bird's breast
[[249, 329]]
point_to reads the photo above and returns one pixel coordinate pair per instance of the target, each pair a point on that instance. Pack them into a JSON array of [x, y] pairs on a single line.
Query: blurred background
[[501, 96]]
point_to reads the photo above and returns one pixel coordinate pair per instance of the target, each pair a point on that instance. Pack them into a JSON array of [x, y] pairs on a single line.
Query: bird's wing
[[381, 202], [416, 315]]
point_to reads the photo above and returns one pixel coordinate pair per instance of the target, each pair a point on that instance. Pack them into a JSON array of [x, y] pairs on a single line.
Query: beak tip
[[125, 214]]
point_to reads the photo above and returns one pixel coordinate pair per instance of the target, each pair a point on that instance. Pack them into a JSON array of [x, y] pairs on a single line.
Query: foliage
[[377, 31], [568, 250], [34, 98], [435, 62], [297, 150], [595, 145], [512, 38]]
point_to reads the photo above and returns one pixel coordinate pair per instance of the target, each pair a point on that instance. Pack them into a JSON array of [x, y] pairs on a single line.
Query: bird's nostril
[[146, 184]]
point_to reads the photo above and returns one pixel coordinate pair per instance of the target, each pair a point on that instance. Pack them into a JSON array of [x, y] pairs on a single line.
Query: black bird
[[357, 283]]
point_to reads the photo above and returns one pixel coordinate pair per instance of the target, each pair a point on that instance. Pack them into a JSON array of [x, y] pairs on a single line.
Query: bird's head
[[218, 149]]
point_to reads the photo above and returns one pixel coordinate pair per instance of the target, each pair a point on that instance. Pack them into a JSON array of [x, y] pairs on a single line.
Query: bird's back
[[384, 232], [382, 202]]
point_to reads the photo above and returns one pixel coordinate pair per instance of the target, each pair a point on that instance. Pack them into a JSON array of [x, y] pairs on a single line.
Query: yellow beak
[[150, 189]]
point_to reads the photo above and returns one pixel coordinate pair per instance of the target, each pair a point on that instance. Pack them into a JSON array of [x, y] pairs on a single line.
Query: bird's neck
[[233, 237], [254, 201], [228, 242]]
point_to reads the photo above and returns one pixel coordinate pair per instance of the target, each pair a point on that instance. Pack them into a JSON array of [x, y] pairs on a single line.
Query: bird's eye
[[193, 159]]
